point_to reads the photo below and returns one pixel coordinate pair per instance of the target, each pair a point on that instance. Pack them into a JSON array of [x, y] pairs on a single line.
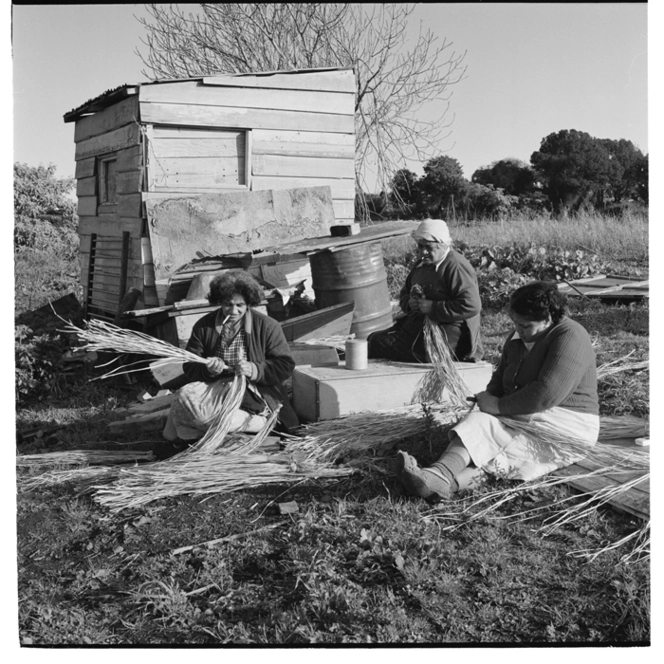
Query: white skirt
[[498, 449], [195, 406]]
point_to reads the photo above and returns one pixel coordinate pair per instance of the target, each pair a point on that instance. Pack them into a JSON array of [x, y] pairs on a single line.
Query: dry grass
[[444, 376], [83, 458], [622, 238], [625, 237]]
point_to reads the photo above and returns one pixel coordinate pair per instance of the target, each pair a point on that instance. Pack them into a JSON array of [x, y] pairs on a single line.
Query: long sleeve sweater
[[452, 285], [559, 370], [267, 348]]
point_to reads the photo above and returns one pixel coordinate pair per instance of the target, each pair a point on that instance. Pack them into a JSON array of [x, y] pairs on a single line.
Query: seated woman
[[546, 377], [240, 341], [443, 286]]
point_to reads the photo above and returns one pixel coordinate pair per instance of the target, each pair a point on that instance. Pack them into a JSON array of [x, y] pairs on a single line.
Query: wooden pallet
[[609, 287], [148, 416], [635, 501]]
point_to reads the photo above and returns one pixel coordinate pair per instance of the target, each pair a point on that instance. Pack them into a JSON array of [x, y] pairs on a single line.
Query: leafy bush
[[501, 269], [44, 213], [37, 359], [45, 236], [537, 262], [496, 286], [43, 275]]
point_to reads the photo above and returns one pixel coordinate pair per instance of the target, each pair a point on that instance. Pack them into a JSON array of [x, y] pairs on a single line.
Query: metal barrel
[[354, 274]]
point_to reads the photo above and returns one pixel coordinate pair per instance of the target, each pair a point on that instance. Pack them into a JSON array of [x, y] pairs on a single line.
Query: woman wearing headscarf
[[441, 286], [547, 378], [237, 340]]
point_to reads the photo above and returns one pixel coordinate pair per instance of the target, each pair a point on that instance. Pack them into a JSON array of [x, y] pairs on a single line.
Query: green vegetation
[[359, 563], [571, 173]]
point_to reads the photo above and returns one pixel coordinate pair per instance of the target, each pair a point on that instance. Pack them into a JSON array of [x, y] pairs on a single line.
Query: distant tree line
[[571, 171]]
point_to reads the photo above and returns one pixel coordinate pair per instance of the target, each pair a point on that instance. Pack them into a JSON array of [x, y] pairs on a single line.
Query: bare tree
[[394, 78]]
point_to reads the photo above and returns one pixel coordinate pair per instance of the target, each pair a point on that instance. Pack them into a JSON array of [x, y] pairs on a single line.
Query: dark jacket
[[267, 348], [559, 370], [456, 302]]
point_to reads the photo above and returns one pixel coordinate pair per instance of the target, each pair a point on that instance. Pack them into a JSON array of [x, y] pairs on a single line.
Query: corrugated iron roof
[[112, 96]]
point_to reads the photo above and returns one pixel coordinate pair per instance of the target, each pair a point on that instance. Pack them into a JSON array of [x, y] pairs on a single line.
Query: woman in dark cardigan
[[237, 340], [442, 286], [546, 377]]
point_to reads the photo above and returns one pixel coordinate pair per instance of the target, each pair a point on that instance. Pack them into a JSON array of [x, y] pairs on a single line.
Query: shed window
[[107, 180]]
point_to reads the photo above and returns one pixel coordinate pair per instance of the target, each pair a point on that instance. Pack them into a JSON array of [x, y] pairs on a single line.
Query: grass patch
[[357, 565]]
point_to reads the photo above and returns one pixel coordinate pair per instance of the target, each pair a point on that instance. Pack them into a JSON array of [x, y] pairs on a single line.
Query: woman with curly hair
[[237, 340], [546, 377]]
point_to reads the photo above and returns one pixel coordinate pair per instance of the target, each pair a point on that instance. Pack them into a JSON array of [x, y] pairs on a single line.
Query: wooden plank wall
[[195, 159], [300, 132], [115, 129]]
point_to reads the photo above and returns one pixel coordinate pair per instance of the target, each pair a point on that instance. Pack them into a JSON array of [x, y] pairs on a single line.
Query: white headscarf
[[432, 230]]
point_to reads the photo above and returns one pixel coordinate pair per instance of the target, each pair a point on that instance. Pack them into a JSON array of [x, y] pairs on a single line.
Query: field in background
[[622, 241]]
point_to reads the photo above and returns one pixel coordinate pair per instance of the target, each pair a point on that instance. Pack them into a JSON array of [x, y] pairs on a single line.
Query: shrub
[[37, 359]]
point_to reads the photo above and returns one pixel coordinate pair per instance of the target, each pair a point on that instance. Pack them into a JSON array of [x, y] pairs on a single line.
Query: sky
[[532, 69]]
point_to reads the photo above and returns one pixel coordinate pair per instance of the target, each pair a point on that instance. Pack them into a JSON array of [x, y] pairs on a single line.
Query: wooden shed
[[197, 138]]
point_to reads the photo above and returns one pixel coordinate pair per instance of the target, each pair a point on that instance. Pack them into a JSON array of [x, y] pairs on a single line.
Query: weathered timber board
[[115, 116], [117, 139], [239, 116], [636, 500], [331, 321], [367, 234], [608, 287], [233, 222], [147, 422], [296, 166], [341, 188], [332, 80], [193, 92]]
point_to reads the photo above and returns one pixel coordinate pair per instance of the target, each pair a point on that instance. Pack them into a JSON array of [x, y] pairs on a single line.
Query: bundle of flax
[[78, 476], [620, 365], [204, 474], [623, 426], [100, 336], [82, 458], [360, 437], [444, 374]]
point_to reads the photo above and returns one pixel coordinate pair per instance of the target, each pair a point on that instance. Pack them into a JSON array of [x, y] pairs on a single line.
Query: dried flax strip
[[75, 475], [206, 474], [623, 426], [620, 365], [367, 432], [572, 449], [82, 457], [100, 336], [444, 374]]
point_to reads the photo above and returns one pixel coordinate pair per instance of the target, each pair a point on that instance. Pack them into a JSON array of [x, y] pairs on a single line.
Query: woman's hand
[[420, 304], [244, 368], [487, 403], [215, 365], [414, 304]]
